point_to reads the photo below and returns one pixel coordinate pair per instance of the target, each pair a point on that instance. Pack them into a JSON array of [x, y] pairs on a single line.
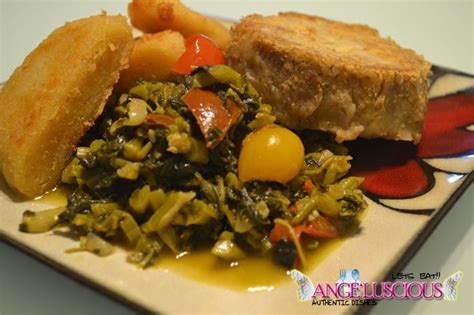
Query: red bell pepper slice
[[159, 119], [320, 227], [199, 51], [308, 186], [210, 112], [279, 232]]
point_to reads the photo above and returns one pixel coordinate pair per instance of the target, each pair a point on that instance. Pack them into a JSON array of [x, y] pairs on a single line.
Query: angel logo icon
[[305, 286], [450, 286]]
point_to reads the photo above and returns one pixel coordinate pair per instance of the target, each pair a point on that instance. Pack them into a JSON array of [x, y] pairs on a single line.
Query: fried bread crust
[[53, 98], [332, 76]]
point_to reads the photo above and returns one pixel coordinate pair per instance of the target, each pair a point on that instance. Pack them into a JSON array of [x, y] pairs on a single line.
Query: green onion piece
[[198, 152], [226, 235], [262, 209], [157, 198], [196, 213], [328, 205], [231, 218], [130, 171], [165, 214], [227, 75], [135, 151], [130, 228], [72, 172], [169, 237], [351, 182], [41, 221], [232, 181], [98, 209], [96, 145], [227, 250], [203, 79], [179, 142], [306, 206], [242, 224], [266, 245], [94, 244], [137, 111], [110, 224], [81, 219], [139, 90], [146, 250], [139, 200]]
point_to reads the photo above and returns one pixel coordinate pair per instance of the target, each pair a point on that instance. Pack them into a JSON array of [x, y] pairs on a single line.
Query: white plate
[[388, 239]]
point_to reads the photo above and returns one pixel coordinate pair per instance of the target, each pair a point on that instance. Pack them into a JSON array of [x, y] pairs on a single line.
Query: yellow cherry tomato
[[272, 153]]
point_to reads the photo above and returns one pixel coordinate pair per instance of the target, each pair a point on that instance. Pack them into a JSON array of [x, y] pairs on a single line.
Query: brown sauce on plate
[[252, 274], [56, 197]]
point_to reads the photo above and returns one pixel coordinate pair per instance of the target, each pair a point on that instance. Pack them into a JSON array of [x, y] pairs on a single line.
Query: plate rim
[[424, 234]]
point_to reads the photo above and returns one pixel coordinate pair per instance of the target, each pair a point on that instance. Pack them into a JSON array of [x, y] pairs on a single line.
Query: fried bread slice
[[332, 76], [53, 98]]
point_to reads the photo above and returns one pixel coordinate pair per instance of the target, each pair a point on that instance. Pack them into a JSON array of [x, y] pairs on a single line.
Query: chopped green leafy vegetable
[[160, 170]]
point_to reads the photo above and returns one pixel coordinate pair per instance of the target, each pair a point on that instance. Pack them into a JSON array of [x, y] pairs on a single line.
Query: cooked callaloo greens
[[200, 163]]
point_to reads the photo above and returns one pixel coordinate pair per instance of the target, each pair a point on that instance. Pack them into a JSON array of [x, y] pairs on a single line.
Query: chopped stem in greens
[[159, 171]]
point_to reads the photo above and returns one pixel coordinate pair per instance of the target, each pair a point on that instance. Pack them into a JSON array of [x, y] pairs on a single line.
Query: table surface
[[442, 31]]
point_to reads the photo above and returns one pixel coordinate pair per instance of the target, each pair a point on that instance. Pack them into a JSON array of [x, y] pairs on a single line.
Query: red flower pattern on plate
[[396, 169]]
